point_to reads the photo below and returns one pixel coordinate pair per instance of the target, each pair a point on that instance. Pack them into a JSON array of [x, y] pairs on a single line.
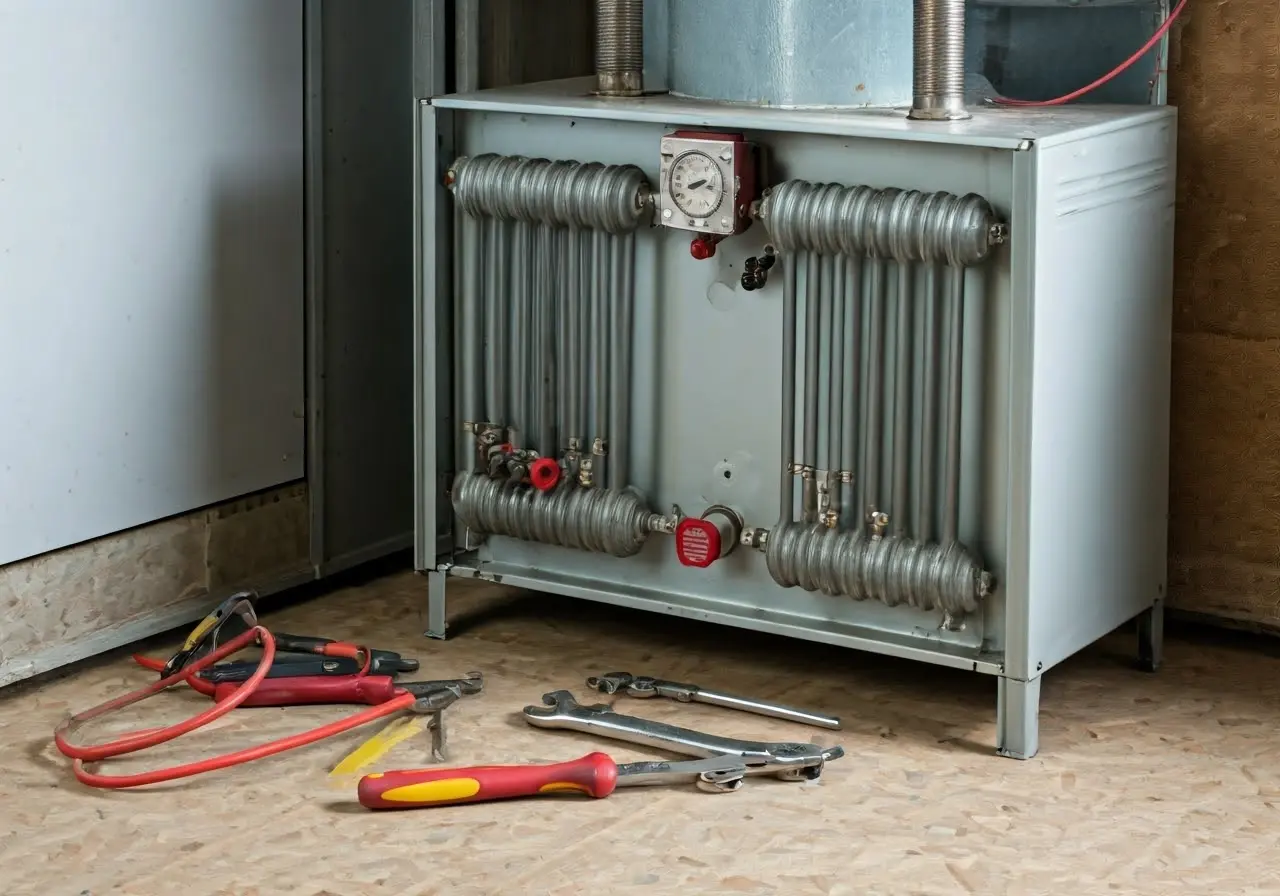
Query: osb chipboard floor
[[1145, 784]]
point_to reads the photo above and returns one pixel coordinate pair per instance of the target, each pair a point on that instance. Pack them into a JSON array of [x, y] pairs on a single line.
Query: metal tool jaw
[[788, 761], [434, 697], [204, 637], [647, 687], [716, 774], [642, 686]]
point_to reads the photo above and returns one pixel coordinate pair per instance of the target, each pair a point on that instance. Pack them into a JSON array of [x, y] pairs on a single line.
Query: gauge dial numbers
[[697, 184]]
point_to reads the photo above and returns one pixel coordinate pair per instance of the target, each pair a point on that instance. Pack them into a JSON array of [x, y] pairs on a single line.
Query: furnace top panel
[[994, 128]]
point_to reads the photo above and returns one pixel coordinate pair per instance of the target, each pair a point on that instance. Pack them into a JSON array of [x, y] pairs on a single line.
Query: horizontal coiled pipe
[[892, 570], [580, 195], [603, 521], [905, 225]]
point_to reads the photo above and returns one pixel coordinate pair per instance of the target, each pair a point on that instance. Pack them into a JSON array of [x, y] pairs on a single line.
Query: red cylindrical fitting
[[701, 542], [544, 473]]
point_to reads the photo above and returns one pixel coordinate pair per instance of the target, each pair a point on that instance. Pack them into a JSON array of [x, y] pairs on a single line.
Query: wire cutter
[[297, 656]]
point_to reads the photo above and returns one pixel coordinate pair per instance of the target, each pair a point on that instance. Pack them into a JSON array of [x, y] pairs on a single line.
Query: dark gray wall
[[364, 374], [522, 41]]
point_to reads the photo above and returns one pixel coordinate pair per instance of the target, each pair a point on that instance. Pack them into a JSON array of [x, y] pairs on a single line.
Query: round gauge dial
[[697, 186]]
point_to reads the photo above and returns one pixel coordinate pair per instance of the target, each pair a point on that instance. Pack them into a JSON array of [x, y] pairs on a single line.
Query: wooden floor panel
[[1145, 784]]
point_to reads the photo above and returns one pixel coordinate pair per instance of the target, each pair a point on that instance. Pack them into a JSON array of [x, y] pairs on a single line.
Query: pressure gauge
[[697, 184], [708, 184]]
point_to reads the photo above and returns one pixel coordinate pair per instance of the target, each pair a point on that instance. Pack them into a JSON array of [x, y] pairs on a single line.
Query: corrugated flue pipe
[[938, 50], [620, 47]]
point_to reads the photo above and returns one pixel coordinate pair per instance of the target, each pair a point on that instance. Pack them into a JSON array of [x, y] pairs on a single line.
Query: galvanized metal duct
[[938, 67], [790, 53], [620, 47]]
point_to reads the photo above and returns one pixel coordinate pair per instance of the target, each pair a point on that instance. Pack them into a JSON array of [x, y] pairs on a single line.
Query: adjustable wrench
[[790, 761], [644, 686]]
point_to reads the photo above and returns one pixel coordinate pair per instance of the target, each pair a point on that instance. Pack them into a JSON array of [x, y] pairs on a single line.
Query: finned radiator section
[[855, 254], [544, 313]]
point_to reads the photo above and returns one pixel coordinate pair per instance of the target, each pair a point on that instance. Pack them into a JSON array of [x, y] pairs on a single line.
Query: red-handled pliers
[[312, 690]]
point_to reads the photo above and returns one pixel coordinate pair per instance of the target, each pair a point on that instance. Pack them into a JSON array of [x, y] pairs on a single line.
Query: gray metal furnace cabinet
[[1060, 445]]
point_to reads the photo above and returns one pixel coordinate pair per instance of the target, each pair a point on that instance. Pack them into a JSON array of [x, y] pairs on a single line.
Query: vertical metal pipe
[[529, 352], [472, 369], [615, 355], [938, 76], [813, 289], [833, 277], [586, 323], [534, 346], [501, 275], [623, 322], [546, 337], [787, 493], [560, 302], [464, 456], [600, 247], [902, 388], [570, 366], [875, 386], [926, 508], [955, 364], [619, 47], [492, 356], [519, 340], [851, 273]]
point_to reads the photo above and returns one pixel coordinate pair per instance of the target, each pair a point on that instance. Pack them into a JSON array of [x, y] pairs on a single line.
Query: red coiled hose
[[142, 740]]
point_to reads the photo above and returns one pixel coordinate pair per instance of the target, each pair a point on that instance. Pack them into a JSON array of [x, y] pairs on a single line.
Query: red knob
[[544, 474], [698, 542], [702, 248]]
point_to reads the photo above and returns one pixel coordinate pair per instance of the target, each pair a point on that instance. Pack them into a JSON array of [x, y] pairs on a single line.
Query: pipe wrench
[[646, 687]]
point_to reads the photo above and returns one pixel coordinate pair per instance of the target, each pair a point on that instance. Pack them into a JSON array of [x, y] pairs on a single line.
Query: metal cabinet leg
[[436, 625], [1018, 718], [1151, 637]]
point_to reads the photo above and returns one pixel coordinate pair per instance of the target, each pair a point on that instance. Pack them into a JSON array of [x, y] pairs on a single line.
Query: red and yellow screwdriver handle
[[594, 774]]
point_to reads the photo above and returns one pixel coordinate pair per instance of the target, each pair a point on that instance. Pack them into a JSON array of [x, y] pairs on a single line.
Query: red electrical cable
[[1115, 72], [197, 684], [141, 740]]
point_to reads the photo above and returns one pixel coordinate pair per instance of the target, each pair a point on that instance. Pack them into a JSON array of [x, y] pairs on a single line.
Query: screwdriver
[[595, 775]]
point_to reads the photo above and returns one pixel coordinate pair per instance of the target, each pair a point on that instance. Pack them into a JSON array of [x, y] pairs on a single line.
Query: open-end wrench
[[792, 761], [644, 686]]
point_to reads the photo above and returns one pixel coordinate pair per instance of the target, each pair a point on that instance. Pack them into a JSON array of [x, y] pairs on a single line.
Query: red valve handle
[[371, 690], [595, 774], [544, 473], [702, 247]]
